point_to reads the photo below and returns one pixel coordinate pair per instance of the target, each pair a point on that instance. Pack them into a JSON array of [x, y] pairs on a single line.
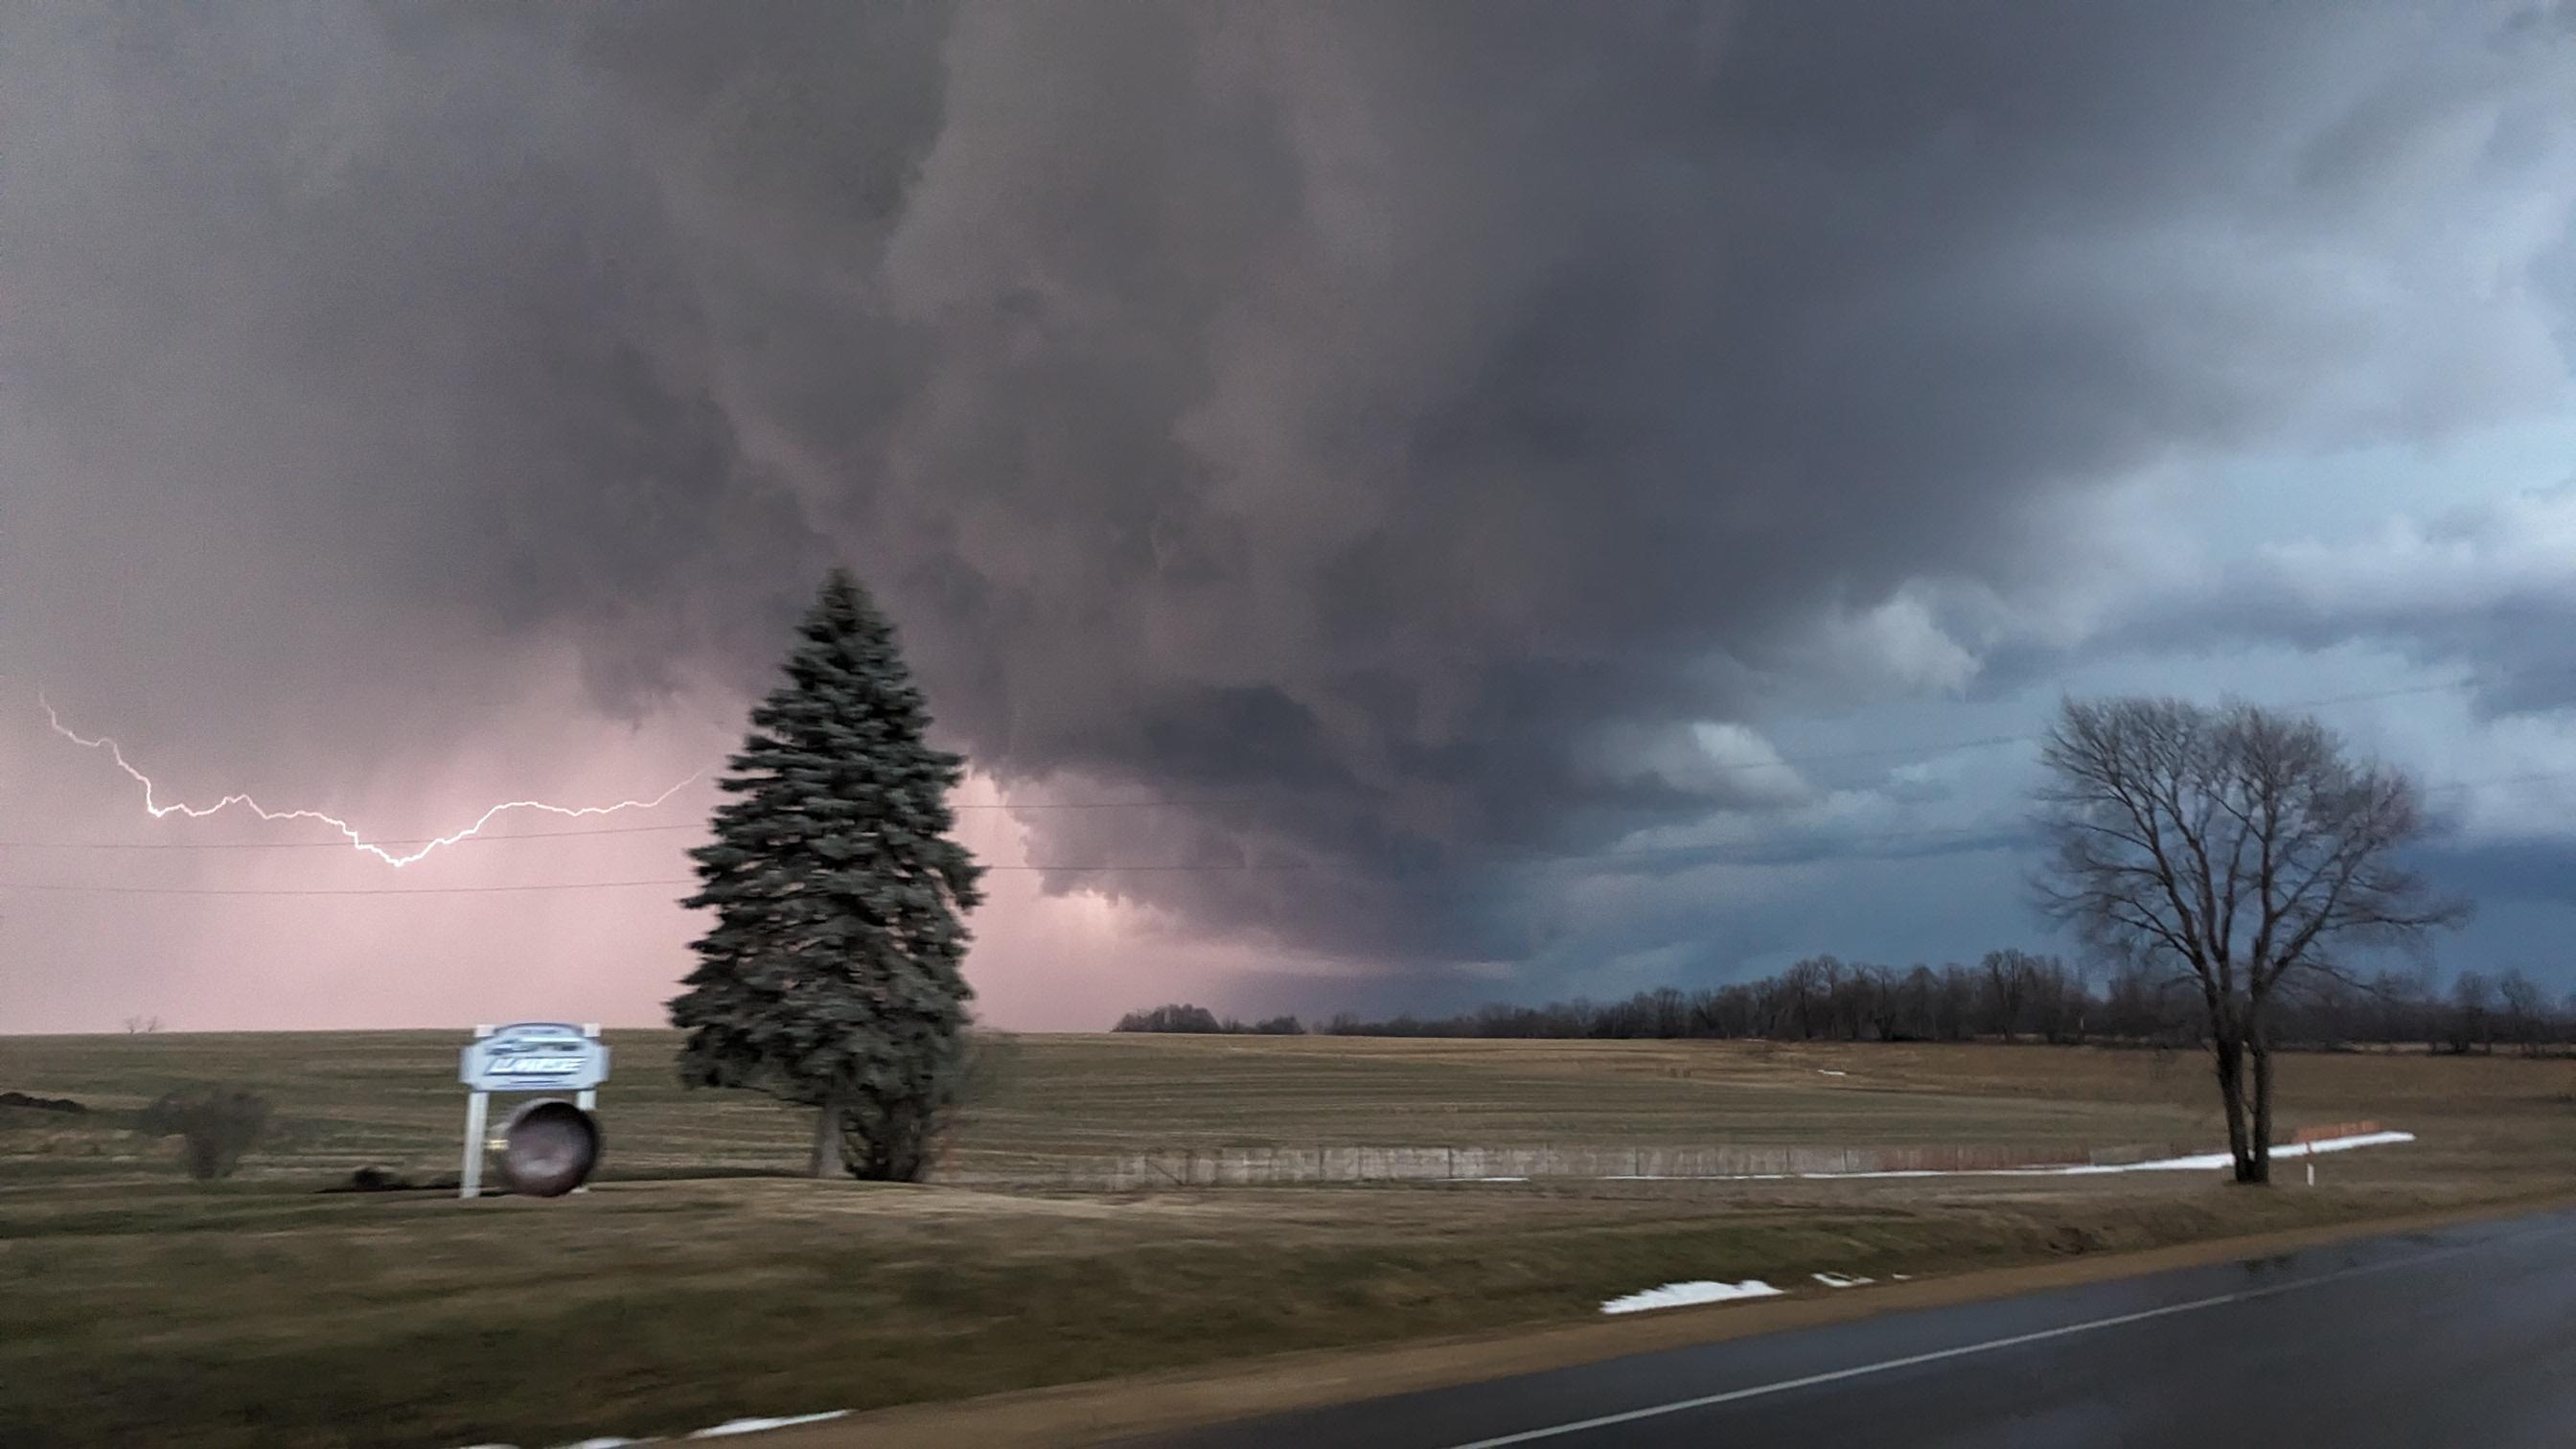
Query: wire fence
[[1294, 1166]]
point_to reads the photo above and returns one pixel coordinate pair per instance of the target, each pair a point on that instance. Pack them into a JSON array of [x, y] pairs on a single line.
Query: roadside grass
[[351, 1100], [658, 1308], [136, 1307]]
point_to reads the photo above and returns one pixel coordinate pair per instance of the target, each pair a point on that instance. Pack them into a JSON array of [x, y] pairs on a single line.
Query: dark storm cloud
[[2537, 871], [1342, 418]]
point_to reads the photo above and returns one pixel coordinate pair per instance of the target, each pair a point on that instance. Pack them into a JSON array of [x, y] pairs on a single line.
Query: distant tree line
[[1199, 1021], [2010, 995]]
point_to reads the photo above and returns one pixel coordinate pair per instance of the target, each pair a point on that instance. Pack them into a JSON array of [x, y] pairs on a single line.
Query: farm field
[[391, 1100], [697, 1284]]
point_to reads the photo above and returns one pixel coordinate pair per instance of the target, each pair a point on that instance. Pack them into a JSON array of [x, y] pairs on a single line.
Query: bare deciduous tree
[[2008, 981], [2525, 1010], [2472, 1012], [2231, 847]]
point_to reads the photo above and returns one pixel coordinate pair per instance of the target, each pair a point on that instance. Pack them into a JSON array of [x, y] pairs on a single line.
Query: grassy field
[[142, 1308], [390, 1099]]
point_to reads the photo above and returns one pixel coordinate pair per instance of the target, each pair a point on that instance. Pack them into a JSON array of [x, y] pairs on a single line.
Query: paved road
[[2462, 1336]]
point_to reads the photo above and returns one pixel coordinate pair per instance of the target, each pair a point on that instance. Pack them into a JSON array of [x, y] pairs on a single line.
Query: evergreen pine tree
[[830, 978]]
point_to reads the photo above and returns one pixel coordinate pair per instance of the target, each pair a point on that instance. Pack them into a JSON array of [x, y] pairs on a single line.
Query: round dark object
[[549, 1148]]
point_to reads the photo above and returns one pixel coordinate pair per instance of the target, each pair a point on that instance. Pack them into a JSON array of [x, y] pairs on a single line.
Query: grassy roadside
[[1074, 1415], [138, 1308], [661, 1308]]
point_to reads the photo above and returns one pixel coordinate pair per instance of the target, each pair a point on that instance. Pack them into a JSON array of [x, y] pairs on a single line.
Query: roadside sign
[[534, 1056]]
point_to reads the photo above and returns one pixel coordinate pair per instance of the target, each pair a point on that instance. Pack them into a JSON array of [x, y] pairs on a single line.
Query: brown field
[[143, 1308], [391, 1099]]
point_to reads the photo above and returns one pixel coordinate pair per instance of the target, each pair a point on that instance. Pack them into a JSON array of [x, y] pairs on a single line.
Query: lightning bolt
[[357, 840]]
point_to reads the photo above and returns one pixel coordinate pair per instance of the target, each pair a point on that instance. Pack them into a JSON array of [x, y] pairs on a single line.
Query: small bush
[[215, 1125], [903, 1137]]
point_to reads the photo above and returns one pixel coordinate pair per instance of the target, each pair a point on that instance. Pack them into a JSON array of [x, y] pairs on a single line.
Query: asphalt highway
[[2461, 1336]]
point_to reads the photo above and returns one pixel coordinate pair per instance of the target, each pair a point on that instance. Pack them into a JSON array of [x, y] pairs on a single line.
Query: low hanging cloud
[[1393, 437], [2489, 585]]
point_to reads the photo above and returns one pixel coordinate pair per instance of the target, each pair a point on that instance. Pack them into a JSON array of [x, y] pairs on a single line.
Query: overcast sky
[[1484, 500]]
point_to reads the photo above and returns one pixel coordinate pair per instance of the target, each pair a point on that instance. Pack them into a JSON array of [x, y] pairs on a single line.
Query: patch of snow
[[1498, 1179], [1682, 1295], [725, 1430], [2343, 1144], [1823, 1072], [2200, 1162], [1837, 1280], [732, 1427], [1900, 1277]]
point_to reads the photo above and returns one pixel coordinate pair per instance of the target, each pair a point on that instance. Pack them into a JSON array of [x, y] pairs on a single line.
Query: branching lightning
[[357, 840]]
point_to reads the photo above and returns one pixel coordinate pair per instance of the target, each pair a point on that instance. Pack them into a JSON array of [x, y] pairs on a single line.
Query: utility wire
[[1713, 852], [1783, 762]]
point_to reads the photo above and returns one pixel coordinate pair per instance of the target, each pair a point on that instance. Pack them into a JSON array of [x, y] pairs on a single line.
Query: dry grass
[[141, 1308], [350, 1100]]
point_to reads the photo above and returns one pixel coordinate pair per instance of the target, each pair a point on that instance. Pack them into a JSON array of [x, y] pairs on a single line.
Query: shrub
[[903, 1136], [214, 1125]]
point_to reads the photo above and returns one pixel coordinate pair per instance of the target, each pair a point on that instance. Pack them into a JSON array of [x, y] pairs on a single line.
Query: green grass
[[136, 1307]]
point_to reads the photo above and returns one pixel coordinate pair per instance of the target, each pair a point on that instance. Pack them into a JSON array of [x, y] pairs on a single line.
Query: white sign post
[[588, 1098], [529, 1056], [478, 1106]]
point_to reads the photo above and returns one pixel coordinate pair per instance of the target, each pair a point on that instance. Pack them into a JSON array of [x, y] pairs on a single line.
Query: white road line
[[1682, 1406]]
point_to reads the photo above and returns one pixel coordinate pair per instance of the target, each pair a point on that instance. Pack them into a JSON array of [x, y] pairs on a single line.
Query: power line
[[119, 890], [487, 838], [1782, 762], [337, 844], [492, 839], [1715, 852]]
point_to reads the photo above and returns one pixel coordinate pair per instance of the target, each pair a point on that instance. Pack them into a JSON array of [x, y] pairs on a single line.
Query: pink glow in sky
[[403, 411], [460, 951]]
